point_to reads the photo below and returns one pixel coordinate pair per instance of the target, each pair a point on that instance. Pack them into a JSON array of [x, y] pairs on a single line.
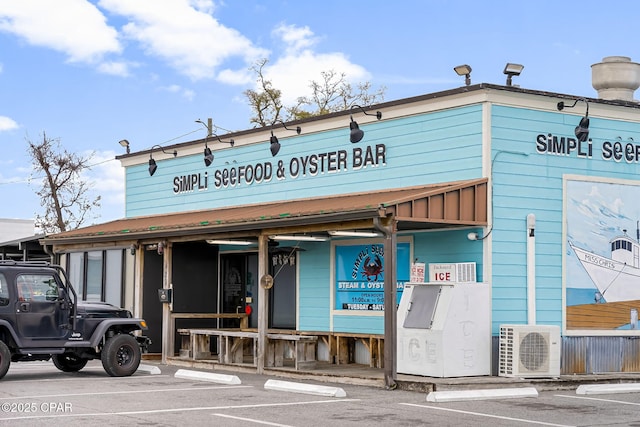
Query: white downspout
[[531, 269]]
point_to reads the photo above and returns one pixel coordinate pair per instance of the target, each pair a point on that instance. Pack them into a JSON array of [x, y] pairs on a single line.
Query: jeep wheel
[[121, 355], [5, 359], [69, 362]]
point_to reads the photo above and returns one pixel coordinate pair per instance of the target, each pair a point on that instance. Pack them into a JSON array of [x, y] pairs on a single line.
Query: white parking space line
[[170, 410], [598, 399], [479, 414], [104, 393], [93, 379], [251, 420]]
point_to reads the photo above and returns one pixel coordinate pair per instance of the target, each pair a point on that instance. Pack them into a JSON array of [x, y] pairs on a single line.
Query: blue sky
[[94, 72]]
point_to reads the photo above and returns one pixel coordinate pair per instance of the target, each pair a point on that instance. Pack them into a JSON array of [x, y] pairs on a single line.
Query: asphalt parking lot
[[37, 394]]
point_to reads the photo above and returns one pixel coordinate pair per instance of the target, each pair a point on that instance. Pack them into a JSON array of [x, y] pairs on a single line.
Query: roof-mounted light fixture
[[582, 130], [230, 142], [464, 70], [152, 163], [208, 155], [125, 144], [511, 70], [356, 133], [274, 145]]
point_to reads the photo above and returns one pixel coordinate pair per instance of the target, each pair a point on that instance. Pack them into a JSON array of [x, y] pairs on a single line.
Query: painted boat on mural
[[617, 278]]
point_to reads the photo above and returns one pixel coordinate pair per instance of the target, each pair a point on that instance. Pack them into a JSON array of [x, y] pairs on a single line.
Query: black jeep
[[41, 319]]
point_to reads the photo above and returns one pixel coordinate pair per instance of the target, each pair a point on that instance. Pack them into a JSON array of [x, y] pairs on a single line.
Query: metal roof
[[459, 203]]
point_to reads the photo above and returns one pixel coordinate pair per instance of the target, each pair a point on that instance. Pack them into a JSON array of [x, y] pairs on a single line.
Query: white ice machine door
[[422, 306]]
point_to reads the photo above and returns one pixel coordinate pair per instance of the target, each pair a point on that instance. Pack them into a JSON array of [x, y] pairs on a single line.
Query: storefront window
[[97, 275], [113, 279], [94, 276], [75, 270]]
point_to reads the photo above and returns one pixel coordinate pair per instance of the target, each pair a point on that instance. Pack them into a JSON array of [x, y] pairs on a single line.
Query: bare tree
[[63, 194], [266, 101], [333, 93]]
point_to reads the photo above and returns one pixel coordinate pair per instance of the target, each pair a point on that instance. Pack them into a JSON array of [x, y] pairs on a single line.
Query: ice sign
[[461, 272]]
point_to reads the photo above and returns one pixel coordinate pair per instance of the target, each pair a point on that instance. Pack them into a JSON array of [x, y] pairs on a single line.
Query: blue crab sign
[[360, 276]]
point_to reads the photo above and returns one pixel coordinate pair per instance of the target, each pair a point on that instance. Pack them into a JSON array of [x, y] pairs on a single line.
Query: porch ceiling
[[460, 203]]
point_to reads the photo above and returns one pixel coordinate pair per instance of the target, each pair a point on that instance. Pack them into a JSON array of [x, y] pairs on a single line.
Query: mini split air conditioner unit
[[529, 351]]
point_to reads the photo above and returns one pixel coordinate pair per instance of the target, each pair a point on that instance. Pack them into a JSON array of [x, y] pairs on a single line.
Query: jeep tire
[[5, 359], [121, 355], [68, 362]]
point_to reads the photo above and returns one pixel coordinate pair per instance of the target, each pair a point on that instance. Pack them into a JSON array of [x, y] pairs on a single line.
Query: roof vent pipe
[[616, 78]]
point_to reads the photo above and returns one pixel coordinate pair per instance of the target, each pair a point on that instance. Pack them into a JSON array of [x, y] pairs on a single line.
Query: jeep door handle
[[24, 306]]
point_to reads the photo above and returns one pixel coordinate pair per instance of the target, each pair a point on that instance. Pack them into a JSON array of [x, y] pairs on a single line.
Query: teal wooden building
[[532, 188]]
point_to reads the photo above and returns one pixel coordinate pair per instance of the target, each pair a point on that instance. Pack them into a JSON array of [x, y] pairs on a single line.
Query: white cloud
[[190, 39], [185, 93], [295, 38], [116, 68], [236, 77], [7, 124], [107, 180], [292, 72], [76, 27], [183, 33]]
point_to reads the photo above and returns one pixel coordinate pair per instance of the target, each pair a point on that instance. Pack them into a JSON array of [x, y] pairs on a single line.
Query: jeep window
[[4, 291], [37, 287]]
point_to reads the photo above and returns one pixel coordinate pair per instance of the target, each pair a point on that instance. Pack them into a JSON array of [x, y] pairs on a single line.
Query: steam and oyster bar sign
[[310, 165], [360, 276]]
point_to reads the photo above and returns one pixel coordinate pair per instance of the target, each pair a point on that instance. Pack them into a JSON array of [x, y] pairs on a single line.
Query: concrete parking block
[[482, 394], [608, 388], [149, 369], [207, 376], [304, 388]]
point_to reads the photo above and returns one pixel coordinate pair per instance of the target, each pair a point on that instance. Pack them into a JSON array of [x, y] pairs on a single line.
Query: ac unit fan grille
[[534, 351]]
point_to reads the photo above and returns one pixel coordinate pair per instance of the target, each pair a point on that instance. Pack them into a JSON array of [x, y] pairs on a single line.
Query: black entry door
[[234, 286], [151, 306], [282, 296]]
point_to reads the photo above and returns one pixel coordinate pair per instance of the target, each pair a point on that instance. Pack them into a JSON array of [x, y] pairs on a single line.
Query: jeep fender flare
[[8, 326], [124, 323]]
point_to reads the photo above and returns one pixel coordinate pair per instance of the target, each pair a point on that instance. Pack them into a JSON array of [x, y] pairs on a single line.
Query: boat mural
[[617, 277]]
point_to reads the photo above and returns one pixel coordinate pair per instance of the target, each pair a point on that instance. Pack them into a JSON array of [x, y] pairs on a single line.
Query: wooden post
[[388, 227], [263, 302], [167, 329]]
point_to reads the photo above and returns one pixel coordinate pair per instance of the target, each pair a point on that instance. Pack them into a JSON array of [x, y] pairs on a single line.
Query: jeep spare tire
[[5, 359], [69, 362], [121, 355]]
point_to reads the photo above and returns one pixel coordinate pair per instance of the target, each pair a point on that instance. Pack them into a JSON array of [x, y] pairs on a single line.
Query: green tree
[[63, 194]]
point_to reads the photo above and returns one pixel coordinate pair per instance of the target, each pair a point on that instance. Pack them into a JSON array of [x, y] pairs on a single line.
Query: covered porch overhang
[[447, 205], [439, 206]]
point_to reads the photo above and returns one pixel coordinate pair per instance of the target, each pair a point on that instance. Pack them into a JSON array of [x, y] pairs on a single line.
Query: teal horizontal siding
[[525, 181], [446, 141], [314, 287], [359, 324]]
